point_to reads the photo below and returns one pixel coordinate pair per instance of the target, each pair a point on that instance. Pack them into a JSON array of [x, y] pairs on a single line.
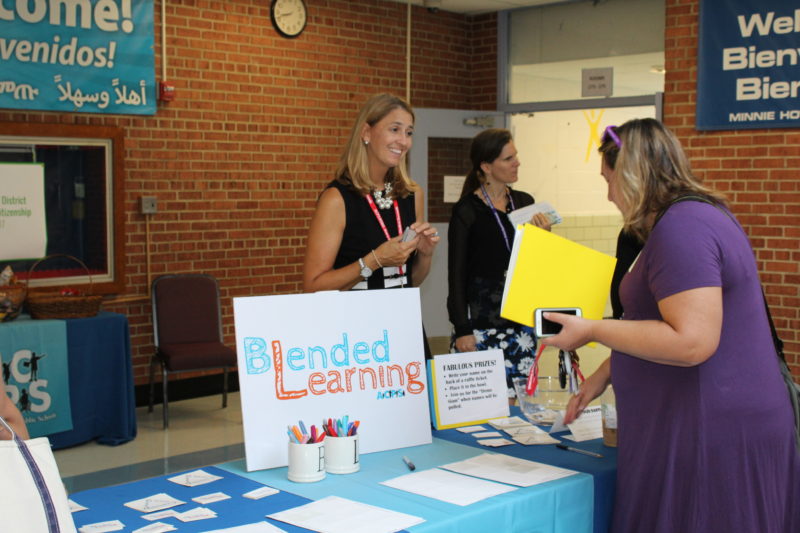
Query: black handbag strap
[[38, 479]]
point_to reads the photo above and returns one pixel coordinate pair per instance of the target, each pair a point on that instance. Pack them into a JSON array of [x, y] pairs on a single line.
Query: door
[[441, 148]]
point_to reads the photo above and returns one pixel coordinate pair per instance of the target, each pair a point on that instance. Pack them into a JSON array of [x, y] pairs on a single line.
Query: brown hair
[[651, 170], [353, 169], [485, 148]]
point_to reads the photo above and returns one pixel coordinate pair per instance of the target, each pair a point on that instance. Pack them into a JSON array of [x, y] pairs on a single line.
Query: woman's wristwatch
[[366, 271]]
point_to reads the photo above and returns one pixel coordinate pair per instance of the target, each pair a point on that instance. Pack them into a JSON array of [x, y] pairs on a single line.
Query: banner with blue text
[[748, 66], [36, 373], [329, 355], [78, 56]]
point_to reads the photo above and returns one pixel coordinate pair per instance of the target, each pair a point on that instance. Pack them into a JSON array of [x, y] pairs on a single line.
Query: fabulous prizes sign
[[331, 354]]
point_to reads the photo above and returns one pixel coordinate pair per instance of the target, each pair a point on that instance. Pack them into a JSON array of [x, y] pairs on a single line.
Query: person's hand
[[575, 331], [542, 221], [466, 343], [395, 253], [427, 237], [588, 391]]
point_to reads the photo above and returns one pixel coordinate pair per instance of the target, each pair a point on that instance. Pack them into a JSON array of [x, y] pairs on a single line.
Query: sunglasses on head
[[609, 133]]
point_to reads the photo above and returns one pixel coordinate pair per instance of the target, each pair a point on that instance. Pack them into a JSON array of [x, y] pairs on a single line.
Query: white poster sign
[[23, 233], [331, 354], [468, 388]]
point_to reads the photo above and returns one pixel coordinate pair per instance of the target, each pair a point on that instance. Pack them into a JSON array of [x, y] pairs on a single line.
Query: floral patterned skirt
[[519, 349]]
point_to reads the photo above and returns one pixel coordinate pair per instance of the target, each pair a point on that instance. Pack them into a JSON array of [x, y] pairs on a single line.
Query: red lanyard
[[375, 212]]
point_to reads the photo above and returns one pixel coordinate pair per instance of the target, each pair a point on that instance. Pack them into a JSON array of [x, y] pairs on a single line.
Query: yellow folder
[[547, 270]]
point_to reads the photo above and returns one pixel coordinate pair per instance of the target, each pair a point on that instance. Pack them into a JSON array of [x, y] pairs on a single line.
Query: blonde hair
[[353, 169], [651, 170]]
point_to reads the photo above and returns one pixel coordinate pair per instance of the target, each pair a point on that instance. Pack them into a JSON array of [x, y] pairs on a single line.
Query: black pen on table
[[563, 446], [409, 464]]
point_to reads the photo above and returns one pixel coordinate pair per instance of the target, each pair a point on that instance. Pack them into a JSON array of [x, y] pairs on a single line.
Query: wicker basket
[[51, 303], [11, 299]]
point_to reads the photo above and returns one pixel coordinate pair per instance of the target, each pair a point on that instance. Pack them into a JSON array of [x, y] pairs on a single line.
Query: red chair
[[187, 330]]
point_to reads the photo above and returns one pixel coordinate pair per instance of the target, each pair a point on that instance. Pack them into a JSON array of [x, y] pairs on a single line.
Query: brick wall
[[759, 171], [238, 159]]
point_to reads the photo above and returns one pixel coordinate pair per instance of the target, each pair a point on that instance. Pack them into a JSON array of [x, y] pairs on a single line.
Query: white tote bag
[[32, 496]]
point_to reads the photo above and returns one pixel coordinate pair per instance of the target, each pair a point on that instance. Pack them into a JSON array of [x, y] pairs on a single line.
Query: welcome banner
[[331, 354], [748, 72], [78, 55]]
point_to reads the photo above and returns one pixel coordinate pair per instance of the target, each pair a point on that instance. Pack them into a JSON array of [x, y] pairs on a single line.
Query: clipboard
[[547, 270]]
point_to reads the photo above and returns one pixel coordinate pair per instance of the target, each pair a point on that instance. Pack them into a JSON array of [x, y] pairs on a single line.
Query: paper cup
[[306, 462], [608, 410], [341, 454]]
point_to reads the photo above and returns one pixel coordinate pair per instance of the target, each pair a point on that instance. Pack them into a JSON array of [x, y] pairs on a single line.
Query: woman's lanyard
[[497, 217], [375, 212]]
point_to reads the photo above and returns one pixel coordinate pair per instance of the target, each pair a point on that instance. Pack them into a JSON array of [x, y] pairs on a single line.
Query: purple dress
[[709, 448]]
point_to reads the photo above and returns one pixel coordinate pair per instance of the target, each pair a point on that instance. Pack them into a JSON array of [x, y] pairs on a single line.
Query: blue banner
[[748, 65], [78, 56], [36, 373]]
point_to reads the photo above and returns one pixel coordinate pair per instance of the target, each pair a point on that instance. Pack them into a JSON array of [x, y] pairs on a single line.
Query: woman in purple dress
[[706, 432]]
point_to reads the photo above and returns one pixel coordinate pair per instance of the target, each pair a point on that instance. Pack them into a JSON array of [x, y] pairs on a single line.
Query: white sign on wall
[[331, 354], [23, 233]]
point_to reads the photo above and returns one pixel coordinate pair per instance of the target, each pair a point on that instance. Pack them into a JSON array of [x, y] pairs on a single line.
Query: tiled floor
[[200, 433]]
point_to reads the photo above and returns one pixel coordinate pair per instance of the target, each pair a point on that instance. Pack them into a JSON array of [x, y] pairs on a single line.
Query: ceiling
[[473, 7]]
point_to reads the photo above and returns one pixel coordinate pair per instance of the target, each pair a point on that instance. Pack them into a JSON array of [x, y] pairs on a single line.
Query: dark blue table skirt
[[603, 471], [100, 382]]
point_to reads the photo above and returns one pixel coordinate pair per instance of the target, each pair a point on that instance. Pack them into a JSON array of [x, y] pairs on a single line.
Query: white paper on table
[[522, 430], [448, 486], [588, 426], [558, 424], [169, 513], [153, 503], [486, 434], [156, 527], [198, 513], [508, 422], [256, 527], [193, 479], [74, 507], [535, 438], [102, 527], [333, 514], [261, 492], [494, 443], [507, 469], [523, 215], [211, 498], [471, 429]]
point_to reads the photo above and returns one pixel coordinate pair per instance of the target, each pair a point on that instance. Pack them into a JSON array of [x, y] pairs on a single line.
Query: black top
[[628, 247], [477, 255], [363, 233]]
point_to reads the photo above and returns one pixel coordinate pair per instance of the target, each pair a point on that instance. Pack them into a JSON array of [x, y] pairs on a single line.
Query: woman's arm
[[588, 391], [687, 335], [324, 240], [457, 274]]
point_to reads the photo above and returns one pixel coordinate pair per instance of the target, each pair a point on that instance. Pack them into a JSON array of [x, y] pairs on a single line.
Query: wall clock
[[289, 17]]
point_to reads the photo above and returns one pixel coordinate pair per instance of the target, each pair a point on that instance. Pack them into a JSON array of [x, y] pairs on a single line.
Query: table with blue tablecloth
[[560, 506], [603, 470], [101, 393]]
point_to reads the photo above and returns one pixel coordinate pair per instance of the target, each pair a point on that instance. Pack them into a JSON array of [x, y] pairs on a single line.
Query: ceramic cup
[[341, 454], [306, 462]]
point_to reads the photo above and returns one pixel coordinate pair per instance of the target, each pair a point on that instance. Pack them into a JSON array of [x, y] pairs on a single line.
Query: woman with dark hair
[[705, 425], [355, 237], [479, 248]]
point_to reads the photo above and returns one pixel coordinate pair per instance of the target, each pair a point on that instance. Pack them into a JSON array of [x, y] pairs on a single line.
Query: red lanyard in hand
[[375, 212]]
